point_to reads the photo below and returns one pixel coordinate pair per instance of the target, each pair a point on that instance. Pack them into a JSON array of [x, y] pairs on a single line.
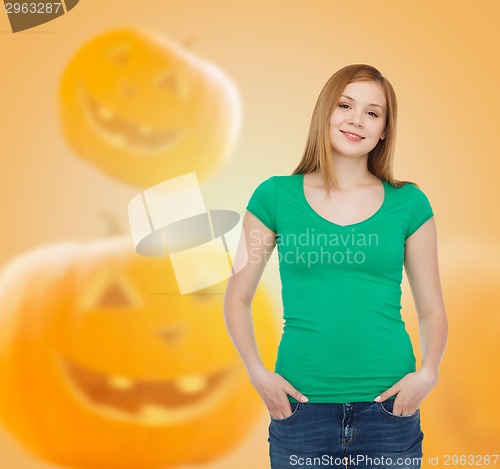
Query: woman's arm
[[255, 247], [254, 250], [422, 270]]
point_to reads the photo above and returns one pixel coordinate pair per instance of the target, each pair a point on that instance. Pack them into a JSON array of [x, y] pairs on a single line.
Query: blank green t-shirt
[[344, 339]]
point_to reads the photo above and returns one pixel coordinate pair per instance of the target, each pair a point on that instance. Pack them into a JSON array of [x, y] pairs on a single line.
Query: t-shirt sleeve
[[421, 211], [263, 204]]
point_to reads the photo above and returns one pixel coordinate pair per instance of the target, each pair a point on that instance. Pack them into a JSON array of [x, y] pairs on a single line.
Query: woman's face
[[358, 111]]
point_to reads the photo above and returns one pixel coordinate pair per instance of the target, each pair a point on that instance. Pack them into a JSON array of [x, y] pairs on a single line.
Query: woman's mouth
[[353, 137]]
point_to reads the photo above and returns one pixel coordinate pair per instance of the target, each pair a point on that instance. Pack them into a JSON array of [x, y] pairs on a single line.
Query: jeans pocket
[[387, 407], [295, 408]]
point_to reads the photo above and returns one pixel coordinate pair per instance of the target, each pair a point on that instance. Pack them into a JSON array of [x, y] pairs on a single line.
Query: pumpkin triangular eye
[[120, 54], [172, 81], [167, 80], [109, 288], [113, 296]]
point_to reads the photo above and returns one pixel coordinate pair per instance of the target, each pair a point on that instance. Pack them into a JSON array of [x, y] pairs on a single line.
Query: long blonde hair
[[317, 154]]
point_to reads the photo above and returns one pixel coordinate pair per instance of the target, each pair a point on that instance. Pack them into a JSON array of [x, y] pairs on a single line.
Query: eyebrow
[[348, 97]]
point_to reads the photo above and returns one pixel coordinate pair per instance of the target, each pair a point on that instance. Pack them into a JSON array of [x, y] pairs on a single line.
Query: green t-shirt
[[344, 339]]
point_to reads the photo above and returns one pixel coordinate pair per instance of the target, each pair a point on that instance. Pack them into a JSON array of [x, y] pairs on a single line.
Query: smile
[[151, 402], [352, 137], [124, 133]]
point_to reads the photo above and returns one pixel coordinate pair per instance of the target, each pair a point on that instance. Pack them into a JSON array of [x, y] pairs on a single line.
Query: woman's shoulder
[[410, 195], [407, 188], [280, 180], [272, 185]]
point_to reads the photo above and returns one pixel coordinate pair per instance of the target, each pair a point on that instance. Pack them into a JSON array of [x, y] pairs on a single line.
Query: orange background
[[442, 59]]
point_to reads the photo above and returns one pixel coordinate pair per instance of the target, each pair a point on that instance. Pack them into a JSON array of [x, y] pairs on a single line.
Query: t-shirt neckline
[[317, 215]]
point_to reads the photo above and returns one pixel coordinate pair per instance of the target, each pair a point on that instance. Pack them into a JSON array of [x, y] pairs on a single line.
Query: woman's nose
[[355, 120]]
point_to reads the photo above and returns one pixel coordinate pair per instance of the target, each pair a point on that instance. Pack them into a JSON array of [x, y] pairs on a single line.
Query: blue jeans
[[353, 435]]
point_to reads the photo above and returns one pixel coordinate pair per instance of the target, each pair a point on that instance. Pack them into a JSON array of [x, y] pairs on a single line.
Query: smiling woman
[[345, 365]]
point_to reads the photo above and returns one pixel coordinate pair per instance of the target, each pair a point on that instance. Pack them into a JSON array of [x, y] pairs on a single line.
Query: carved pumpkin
[[143, 109], [104, 365]]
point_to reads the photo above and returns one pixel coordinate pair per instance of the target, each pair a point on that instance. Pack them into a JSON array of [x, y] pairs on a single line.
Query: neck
[[352, 171]]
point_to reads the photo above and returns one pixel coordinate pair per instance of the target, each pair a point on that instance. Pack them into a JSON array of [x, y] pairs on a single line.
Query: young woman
[[345, 390]]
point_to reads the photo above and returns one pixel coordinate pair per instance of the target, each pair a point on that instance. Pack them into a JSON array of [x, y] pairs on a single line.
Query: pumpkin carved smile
[[156, 402], [123, 133]]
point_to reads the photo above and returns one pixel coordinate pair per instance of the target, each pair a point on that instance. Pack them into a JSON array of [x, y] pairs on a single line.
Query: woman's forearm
[[433, 338], [238, 319]]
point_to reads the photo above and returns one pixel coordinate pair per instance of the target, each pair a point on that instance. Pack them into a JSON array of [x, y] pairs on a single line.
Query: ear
[[382, 137]]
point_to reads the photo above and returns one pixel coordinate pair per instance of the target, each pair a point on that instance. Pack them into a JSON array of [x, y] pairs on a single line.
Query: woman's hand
[[411, 391], [274, 390]]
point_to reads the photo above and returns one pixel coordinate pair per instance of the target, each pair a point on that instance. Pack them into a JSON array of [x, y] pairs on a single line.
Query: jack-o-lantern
[[104, 365], [143, 109], [461, 415]]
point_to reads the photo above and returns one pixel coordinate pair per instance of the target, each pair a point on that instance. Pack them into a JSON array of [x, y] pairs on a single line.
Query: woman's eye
[[346, 105]]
